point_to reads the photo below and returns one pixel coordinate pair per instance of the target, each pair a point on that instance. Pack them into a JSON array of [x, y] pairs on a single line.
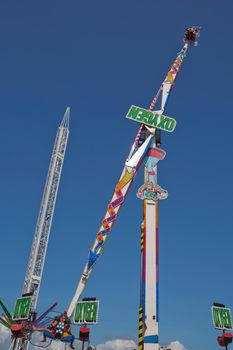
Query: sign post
[[222, 320], [153, 119], [222, 317], [22, 308], [86, 312]]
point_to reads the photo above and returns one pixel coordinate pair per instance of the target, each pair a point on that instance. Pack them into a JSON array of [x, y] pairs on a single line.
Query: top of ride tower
[[66, 119]]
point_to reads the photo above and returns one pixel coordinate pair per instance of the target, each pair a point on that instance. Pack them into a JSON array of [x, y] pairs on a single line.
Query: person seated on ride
[[60, 328], [192, 34], [51, 329]]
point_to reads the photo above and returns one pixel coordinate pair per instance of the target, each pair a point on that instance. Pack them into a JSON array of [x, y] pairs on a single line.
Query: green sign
[[86, 312], [22, 308], [221, 317], [150, 118]]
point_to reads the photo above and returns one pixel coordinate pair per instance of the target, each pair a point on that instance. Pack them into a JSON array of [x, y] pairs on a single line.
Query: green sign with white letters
[[150, 118], [22, 308], [221, 317], [86, 312]]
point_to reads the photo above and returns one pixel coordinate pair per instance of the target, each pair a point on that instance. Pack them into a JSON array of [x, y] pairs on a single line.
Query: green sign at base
[[22, 308], [152, 119], [221, 317], [86, 312]]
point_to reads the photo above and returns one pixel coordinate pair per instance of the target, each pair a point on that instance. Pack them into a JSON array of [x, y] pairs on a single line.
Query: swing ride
[[145, 150]]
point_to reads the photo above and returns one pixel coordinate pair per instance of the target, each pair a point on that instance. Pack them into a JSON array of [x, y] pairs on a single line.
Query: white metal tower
[[41, 237]]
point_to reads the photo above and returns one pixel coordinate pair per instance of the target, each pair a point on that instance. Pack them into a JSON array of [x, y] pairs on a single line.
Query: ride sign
[[221, 317], [150, 118], [22, 308], [86, 312]]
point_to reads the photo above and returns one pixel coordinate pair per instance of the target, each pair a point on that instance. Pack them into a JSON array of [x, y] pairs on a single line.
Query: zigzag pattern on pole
[[107, 221], [176, 66]]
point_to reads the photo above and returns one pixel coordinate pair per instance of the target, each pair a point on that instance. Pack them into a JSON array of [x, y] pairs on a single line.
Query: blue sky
[[99, 58]]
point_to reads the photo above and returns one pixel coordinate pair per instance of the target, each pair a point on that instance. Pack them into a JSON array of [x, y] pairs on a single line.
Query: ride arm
[[5, 323], [6, 312], [128, 174], [39, 319], [121, 190]]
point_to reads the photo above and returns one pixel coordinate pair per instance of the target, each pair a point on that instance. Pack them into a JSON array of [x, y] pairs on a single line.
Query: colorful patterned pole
[[128, 174], [150, 192]]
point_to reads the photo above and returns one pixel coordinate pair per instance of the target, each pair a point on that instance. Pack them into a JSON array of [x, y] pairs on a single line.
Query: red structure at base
[[225, 339], [84, 333]]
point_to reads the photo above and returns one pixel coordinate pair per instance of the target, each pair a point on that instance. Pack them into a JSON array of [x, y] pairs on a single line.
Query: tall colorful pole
[[146, 148], [149, 252], [150, 192]]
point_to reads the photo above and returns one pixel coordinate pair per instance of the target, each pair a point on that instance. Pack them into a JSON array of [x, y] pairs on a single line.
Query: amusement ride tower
[[145, 149], [41, 237]]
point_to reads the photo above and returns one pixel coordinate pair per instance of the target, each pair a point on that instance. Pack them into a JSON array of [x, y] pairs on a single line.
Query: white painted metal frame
[[41, 237]]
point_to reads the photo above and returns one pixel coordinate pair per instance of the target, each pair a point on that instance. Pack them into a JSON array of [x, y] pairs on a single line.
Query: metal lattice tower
[[41, 237], [44, 221]]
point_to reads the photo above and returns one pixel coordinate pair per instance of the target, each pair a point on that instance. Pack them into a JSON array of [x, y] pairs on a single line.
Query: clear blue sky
[[99, 57]]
